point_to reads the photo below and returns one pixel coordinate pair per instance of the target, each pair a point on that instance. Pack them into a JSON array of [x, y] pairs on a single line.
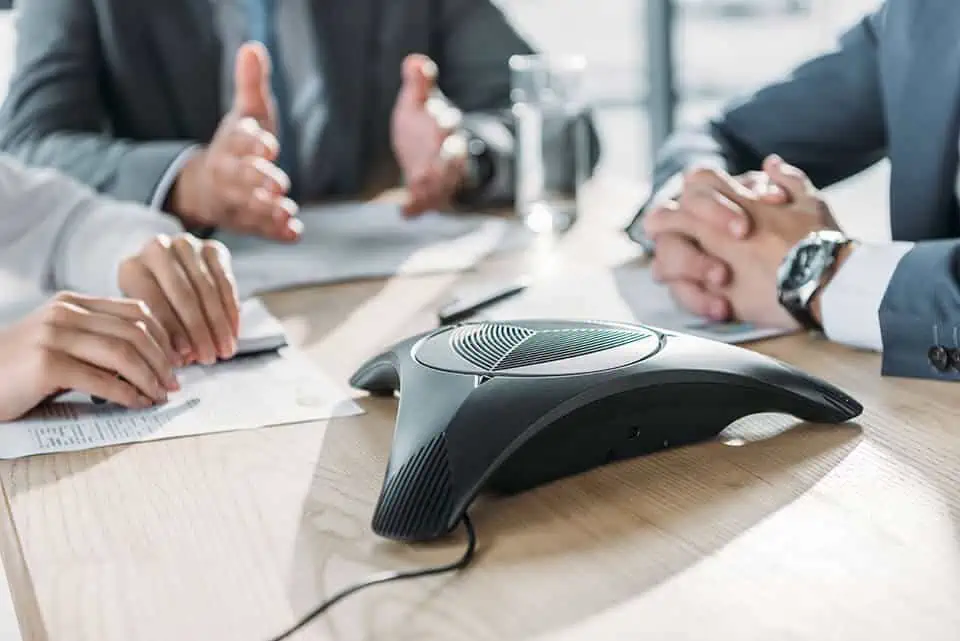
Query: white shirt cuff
[[850, 303], [170, 176]]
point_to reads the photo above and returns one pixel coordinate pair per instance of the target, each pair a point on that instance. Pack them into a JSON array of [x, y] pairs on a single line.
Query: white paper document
[[624, 294], [269, 389], [352, 241]]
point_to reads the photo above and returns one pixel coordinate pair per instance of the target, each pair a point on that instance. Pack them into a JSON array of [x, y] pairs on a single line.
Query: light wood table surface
[[777, 531]]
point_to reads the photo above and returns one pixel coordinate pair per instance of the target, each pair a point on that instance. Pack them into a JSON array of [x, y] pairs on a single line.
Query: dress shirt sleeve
[[851, 301], [58, 234]]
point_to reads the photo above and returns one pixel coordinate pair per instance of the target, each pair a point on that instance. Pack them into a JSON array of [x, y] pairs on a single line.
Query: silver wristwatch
[[804, 271]]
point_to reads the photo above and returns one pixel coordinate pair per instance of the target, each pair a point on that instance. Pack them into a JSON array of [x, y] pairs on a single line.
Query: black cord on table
[[388, 577]]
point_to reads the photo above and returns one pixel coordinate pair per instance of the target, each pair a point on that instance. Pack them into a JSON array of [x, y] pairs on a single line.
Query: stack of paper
[[352, 241]]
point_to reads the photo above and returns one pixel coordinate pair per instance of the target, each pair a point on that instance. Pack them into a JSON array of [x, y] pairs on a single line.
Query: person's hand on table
[[233, 183], [112, 349], [691, 274], [752, 237], [189, 287], [430, 151]]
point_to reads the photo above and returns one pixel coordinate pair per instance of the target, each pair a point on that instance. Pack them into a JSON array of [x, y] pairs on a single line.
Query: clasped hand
[[720, 244]]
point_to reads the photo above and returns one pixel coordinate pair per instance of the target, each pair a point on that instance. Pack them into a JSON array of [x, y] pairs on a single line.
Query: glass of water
[[550, 115]]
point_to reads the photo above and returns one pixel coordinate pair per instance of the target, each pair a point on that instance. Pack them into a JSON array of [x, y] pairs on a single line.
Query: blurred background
[[719, 50]]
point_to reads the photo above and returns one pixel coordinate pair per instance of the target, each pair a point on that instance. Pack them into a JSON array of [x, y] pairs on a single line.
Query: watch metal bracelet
[[797, 301]]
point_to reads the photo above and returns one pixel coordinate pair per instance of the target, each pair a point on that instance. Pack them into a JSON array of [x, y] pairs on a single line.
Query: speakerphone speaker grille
[[417, 501], [485, 345], [498, 347]]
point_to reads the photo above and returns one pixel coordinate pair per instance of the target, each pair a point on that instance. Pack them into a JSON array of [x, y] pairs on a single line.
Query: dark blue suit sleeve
[[921, 310]]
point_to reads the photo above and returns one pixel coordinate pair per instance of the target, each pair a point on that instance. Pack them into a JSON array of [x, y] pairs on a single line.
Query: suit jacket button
[[939, 358]]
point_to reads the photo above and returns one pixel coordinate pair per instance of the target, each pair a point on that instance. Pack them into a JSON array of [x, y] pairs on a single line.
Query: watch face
[[807, 264]]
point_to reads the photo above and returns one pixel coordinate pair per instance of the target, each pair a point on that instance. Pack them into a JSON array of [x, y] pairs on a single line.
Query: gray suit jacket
[[890, 89], [112, 91]]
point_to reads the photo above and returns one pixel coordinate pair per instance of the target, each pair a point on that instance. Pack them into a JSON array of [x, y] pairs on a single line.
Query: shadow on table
[[552, 556]]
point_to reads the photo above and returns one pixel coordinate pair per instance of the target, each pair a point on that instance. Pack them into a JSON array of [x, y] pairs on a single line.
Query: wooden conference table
[[777, 531]]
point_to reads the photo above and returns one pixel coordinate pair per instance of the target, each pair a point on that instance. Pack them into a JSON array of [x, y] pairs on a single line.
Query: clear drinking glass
[[550, 114]]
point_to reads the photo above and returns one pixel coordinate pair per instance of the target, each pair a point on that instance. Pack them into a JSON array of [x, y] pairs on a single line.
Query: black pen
[[464, 308]]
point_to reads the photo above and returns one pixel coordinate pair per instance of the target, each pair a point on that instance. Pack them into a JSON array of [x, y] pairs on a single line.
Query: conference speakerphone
[[507, 406]]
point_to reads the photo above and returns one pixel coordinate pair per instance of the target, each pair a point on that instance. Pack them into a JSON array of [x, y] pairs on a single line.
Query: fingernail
[[717, 310], [716, 275], [295, 225], [738, 228], [143, 402], [174, 384], [429, 69], [182, 346]]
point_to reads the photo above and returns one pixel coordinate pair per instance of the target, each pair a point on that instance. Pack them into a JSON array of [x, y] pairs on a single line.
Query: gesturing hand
[[429, 152], [233, 183], [114, 349], [189, 286]]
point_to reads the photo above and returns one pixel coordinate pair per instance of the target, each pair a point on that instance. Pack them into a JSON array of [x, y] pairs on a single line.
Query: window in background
[[722, 48], [726, 48]]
